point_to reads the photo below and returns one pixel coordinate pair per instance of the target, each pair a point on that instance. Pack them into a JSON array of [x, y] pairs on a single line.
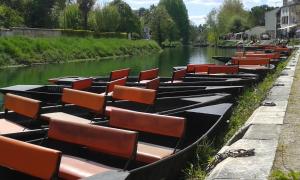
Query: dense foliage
[[168, 21], [230, 18], [178, 11]]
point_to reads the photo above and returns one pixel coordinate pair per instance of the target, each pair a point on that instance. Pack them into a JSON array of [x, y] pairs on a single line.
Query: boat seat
[[30, 159], [153, 84], [91, 101], [82, 84], [22, 106], [61, 116], [76, 168], [111, 85], [147, 75], [162, 125], [105, 140], [9, 127], [108, 110], [149, 153], [118, 74]]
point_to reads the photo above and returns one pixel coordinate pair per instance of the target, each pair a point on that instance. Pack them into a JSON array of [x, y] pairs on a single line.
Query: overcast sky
[[198, 9]]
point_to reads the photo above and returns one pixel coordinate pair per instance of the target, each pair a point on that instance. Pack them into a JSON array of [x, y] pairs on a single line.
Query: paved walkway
[[273, 133], [288, 151]]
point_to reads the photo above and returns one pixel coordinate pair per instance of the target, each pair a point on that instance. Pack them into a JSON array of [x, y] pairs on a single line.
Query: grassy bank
[[24, 50], [247, 103]]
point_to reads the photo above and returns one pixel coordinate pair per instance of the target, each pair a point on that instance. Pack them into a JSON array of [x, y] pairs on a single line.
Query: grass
[[247, 103], [279, 175], [294, 42], [25, 50]]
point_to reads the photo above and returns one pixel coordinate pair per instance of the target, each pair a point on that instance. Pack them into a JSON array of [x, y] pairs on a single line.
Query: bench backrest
[[179, 74], [268, 55], [82, 84], [153, 84], [111, 85], [22, 105], [121, 143], [134, 94], [223, 69], [148, 74], [29, 159], [261, 62], [118, 74], [192, 68], [146, 122], [91, 101]]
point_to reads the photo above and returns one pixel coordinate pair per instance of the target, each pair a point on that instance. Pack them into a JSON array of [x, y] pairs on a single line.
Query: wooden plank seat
[[104, 140], [149, 123], [118, 74], [198, 68], [153, 84], [33, 160], [95, 103], [260, 62], [23, 106], [177, 76], [82, 84], [147, 75], [223, 69], [132, 94], [111, 85]]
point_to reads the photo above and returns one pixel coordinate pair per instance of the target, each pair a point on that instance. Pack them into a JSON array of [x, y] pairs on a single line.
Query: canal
[[165, 61]]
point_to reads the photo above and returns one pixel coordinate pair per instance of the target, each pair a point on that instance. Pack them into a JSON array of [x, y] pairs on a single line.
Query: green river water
[[169, 58]]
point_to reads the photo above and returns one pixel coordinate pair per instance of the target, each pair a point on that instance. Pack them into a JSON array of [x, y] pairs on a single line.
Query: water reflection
[[164, 61]]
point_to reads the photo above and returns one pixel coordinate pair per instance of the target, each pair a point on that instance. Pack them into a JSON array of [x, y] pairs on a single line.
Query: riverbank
[[247, 104], [260, 132], [27, 51]]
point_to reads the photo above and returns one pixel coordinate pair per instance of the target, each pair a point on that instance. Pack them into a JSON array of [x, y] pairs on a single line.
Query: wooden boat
[[51, 94], [224, 59], [242, 70], [110, 158]]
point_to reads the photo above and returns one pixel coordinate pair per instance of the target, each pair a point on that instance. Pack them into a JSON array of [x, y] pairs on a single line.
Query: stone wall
[[31, 32]]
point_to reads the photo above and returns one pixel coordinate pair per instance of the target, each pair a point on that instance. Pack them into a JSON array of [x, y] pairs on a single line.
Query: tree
[[129, 22], [71, 18], [177, 10], [229, 10], [194, 32], [85, 7], [213, 28], [9, 17], [107, 19], [237, 24], [162, 25], [257, 13]]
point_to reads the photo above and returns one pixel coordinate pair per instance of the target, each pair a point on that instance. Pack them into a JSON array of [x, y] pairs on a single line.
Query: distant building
[[255, 32], [290, 18], [272, 22]]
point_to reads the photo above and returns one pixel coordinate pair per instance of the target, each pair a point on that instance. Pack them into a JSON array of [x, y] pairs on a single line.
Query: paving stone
[[263, 132], [254, 167]]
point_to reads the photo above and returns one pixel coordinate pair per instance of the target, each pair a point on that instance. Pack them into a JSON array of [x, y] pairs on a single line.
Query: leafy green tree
[[177, 10], [9, 17], [194, 32], [85, 7], [107, 19], [212, 25], [71, 17], [229, 10], [162, 25], [237, 24], [129, 21], [257, 13]]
